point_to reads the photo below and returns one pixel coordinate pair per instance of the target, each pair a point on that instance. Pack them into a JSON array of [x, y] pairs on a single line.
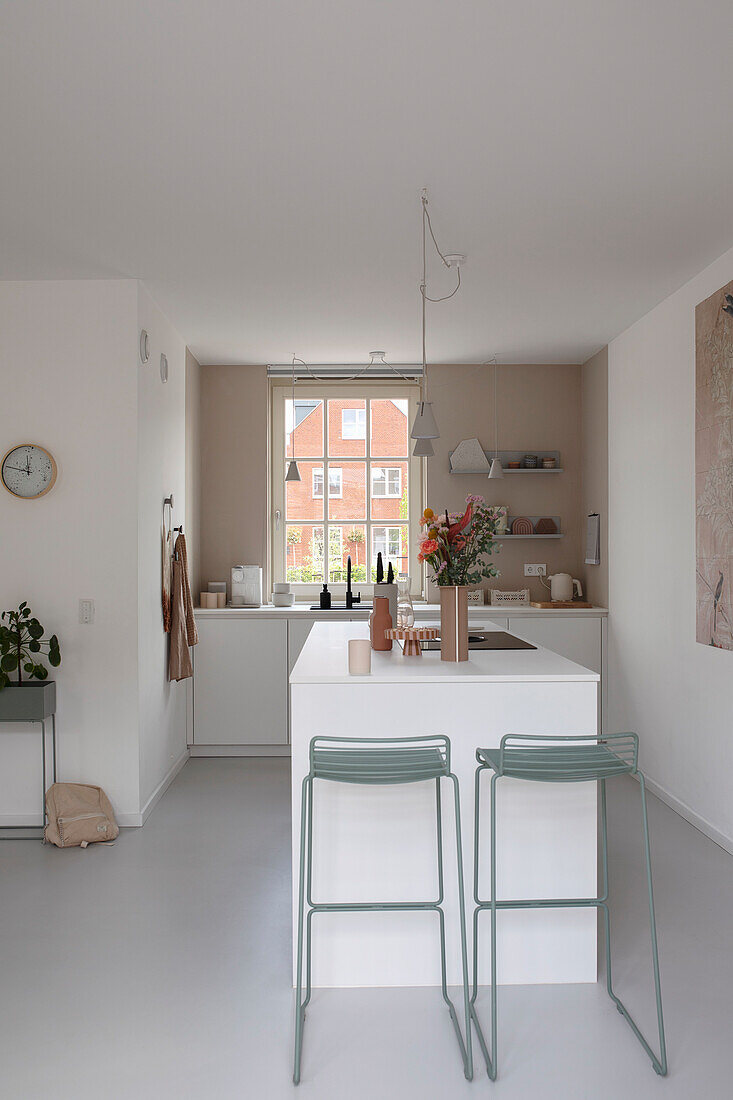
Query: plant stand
[[34, 703]]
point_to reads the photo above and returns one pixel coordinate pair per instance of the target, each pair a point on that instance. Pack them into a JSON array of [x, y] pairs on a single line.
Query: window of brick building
[[386, 481], [355, 438], [335, 481], [353, 423]]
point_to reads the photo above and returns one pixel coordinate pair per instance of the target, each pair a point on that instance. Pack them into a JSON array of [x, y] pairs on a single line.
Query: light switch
[[86, 611]]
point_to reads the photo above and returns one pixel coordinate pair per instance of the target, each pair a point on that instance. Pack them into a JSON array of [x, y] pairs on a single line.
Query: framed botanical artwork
[[714, 469]]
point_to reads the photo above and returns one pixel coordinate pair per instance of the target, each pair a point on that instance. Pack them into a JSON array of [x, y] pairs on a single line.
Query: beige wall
[[594, 464], [539, 409], [193, 471], [234, 476]]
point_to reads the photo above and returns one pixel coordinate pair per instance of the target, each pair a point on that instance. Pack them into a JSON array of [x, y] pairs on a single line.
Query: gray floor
[[159, 968]]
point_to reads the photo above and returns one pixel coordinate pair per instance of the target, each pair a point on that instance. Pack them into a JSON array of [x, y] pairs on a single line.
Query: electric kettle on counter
[[563, 587]]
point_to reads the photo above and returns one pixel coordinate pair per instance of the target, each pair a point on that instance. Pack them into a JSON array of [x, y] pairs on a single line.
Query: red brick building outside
[[310, 504]]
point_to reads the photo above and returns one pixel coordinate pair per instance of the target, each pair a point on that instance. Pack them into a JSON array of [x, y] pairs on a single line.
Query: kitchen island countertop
[[324, 660]]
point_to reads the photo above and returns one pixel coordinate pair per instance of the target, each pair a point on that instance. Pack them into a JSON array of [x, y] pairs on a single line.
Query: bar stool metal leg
[[596, 763], [659, 1063], [305, 898], [489, 1055]]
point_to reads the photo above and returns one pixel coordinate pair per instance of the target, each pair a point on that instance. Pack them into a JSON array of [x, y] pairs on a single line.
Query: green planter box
[[31, 702]]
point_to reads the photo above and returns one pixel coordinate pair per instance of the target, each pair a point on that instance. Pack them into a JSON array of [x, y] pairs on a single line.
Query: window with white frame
[[353, 423], [335, 479], [386, 481], [355, 438]]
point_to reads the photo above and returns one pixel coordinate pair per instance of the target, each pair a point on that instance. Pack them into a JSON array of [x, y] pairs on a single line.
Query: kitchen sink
[[342, 607]]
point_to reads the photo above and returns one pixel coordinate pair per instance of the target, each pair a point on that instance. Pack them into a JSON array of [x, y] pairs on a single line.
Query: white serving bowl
[[283, 599]]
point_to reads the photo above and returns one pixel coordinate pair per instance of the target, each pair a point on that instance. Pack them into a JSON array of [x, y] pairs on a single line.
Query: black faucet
[[351, 599]]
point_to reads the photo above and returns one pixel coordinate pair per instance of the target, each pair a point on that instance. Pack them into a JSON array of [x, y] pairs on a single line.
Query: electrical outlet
[[86, 611], [535, 570]]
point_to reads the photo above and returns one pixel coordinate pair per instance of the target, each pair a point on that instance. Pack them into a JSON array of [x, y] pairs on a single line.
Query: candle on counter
[[360, 657]]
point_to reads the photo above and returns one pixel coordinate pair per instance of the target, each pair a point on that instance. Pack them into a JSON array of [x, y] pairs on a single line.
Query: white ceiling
[[259, 165]]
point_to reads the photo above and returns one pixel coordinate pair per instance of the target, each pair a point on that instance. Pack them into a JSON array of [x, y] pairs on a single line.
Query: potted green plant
[[22, 649]]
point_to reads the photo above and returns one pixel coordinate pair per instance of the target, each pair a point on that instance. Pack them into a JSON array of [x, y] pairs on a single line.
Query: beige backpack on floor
[[78, 814]]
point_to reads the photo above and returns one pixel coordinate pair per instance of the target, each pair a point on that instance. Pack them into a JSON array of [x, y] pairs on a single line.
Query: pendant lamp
[[423, 448]]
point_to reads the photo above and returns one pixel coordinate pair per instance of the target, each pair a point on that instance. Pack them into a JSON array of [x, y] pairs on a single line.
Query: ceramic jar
[[379, 621]]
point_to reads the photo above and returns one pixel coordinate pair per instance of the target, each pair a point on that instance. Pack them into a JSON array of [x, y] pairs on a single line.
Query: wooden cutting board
[[562, 604]]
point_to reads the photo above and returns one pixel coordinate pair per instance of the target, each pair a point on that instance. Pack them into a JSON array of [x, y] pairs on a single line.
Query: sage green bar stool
[[379, 761], [543, 759]]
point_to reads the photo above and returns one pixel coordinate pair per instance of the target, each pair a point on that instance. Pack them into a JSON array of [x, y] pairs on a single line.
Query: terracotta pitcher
[[379, 621]]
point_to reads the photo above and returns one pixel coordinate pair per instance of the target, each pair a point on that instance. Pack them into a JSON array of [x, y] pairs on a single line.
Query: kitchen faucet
[[351, 599]]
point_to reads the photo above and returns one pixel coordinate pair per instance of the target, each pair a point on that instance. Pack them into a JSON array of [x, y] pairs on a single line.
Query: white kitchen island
[[379, 843]]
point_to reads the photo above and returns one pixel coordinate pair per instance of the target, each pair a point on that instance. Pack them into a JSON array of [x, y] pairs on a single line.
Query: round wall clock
[[28, 471]]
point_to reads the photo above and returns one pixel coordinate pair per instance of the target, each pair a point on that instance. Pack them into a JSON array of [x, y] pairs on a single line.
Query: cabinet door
[[240, 688], [578, 639]]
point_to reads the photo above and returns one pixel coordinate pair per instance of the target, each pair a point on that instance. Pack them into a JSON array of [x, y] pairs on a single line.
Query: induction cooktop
[[488, 639]]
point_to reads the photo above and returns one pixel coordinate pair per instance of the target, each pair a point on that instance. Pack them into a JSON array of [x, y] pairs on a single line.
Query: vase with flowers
[[456, 547]]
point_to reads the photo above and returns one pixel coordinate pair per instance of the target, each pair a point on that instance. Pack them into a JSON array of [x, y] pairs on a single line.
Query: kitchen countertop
[[324, 660], [423, 612]]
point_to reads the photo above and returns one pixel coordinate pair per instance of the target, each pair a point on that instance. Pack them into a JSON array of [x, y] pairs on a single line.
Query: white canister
[[360, 656]]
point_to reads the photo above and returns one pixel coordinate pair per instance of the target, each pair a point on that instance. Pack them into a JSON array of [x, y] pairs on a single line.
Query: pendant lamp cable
[[495, 361], [427, 227], [293, 403]]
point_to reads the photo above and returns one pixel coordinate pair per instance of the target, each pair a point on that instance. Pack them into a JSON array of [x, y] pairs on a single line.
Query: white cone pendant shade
[[425, 426], [497, 470], [423, 448], [293, 473]]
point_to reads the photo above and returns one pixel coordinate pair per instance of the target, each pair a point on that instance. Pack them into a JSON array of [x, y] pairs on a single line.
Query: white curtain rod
[[345, 370]]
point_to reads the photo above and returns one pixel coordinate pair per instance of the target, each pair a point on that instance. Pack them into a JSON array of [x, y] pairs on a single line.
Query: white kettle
[[563, 587]]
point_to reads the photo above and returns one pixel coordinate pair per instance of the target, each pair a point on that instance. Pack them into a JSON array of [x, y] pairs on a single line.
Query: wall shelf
[[516, 456], [533, 520]]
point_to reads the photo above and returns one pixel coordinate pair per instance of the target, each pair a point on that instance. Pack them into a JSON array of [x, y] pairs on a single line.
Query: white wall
[[72, 381], [675, 693], [161, 470], [68, 383]]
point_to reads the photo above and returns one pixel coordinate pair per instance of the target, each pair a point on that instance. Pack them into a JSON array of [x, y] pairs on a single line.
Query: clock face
[[28, 471]]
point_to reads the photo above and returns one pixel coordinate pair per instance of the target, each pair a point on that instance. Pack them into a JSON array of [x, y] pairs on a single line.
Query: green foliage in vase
[[21, 642]]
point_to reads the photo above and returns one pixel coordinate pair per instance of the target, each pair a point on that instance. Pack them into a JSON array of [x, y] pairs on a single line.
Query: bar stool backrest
[[379, 760], [563, 759]]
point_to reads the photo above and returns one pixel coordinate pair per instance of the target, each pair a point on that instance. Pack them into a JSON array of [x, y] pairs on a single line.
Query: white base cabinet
[[240, 694], [239, 702]]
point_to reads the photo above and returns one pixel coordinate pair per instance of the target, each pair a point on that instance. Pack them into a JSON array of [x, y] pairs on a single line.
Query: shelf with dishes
[[531, 527], [468, 460]]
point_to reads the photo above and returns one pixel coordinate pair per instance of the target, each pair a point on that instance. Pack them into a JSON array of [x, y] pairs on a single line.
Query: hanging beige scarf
[[183, 624]]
